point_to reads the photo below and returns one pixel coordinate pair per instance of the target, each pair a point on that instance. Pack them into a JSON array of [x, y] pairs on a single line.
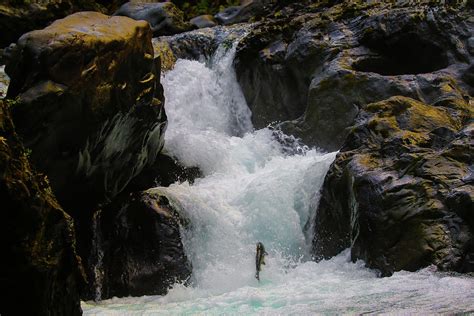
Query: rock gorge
[[388, 85]]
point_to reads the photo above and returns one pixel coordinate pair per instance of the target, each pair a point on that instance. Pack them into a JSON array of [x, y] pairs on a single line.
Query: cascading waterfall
[[254, 190]]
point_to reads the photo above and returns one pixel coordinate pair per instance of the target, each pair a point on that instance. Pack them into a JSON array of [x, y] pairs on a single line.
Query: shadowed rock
[[90, 108], [40, 273], [137, 246]]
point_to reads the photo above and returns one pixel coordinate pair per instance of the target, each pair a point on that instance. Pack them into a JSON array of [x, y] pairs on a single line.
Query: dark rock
[[203, 21], [40, 273], [90, 107], [400, 192], [243, 13], [165, 171], [138, 248], [312, 68], [164, 17]]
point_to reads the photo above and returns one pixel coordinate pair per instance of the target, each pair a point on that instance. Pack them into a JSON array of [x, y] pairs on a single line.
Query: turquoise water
[[254, 190], [330, 287]]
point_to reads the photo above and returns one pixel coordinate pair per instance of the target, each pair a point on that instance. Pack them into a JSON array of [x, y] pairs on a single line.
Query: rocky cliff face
[[311, 68], [400, 192], [40, 272]]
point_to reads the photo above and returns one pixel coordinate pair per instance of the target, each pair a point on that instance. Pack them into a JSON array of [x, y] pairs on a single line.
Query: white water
[[252, 191]]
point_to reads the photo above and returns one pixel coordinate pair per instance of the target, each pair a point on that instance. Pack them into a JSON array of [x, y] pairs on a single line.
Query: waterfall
[[252, 189], [256, 187]]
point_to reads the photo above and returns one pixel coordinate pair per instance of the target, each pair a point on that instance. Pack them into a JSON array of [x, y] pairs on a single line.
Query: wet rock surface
[[40, 272], [195, 45], [312, 67], [400, 192], [137, 247], [164, 17]]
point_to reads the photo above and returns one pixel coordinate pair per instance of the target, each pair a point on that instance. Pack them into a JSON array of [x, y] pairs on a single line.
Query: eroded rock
[[312, 67], [400, 192]]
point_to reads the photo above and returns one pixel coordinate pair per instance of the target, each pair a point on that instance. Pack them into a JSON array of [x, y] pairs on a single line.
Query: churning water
[[254, 190]]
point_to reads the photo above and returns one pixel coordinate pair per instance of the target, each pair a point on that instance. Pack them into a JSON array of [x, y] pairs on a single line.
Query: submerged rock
[[164, 17], [90, 108], [313, 67], [138, 248], [40, 272], [400, 192]]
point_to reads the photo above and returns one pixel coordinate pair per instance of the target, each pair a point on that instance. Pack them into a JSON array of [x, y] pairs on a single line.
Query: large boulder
[[137, 246], [164, 17], [400, 192], [20, 16], [40, 273], [311, 68], [90, 107]]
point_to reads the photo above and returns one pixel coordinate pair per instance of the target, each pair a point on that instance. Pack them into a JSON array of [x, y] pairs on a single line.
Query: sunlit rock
[[400, 192]]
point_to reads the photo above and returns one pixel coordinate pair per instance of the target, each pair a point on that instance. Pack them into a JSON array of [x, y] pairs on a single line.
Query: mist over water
[[253, 190]]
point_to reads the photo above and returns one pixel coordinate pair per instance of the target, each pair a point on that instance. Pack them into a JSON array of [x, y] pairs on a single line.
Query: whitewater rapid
[[255, 188]]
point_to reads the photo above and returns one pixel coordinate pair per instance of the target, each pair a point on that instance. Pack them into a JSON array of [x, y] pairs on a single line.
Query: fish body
[[259, 259]]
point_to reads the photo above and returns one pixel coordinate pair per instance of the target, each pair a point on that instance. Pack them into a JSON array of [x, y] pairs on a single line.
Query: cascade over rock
[[313, 67], [198, 44], [400, 192], [40, 272], [137, 246], [90, 108]]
